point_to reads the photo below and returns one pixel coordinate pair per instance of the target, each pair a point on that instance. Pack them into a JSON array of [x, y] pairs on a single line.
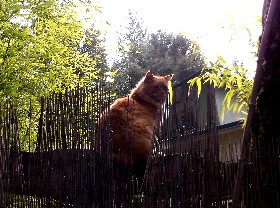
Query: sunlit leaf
[[198, 83], [223, 112], [221, 59], [244, 112], [170, 90], [239, 81], [240, 107]]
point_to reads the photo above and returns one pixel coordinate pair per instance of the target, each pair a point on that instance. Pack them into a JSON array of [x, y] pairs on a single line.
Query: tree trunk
[[262, 188]]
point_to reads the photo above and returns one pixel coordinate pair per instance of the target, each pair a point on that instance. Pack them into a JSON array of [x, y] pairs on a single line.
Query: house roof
[[229, 125]]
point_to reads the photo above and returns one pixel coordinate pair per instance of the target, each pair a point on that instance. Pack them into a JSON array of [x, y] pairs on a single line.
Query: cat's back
[[131, 111]]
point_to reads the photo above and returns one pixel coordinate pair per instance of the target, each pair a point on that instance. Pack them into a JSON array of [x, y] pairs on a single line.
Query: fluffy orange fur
[[132, 119]]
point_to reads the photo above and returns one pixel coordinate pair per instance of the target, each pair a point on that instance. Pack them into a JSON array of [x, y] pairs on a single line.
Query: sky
[[220, 27]]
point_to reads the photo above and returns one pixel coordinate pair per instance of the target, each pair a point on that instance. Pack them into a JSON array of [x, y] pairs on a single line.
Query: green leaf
[[223, 111], [221, 59], [239, 81], [192, 81], [198, 83], [170, 91], [227, 99], [244, 112], [240, 107], [234, 106]]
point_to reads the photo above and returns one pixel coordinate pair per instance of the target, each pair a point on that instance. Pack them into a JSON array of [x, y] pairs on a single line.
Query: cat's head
[[153, 88]]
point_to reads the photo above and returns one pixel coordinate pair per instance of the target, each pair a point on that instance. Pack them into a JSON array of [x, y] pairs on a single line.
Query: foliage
[[39, 54], [234, 80], [39, 48], [173, 54], [129, 64], [160, 52], [93, 45]]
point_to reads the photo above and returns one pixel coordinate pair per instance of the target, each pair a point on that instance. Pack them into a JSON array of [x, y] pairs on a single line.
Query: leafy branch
[[234, 80]]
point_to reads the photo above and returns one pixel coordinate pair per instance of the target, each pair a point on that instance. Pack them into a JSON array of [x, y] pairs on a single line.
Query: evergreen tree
[[130, 63], [161, 52], [176, 54]]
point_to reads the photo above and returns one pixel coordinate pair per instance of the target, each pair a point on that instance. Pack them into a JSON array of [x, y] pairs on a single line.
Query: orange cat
[[132, 119]]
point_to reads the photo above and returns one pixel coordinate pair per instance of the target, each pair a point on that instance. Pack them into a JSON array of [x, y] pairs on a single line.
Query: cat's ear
[[169, 77], [149, 74]]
